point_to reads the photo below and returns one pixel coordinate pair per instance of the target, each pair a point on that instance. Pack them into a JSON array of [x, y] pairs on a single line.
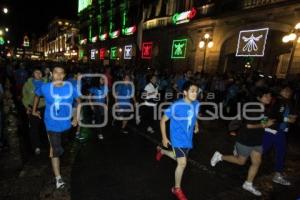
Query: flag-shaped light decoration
[[113, 53], [179, 49], [102, 53], [184, 17], [128, 52], [147, 50], [84, 41], [114, 34], [2, 41], [94, 39], [103, 36], [129, 30]]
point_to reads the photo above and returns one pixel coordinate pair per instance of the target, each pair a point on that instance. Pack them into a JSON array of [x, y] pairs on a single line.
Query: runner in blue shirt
[[124, 97], [59, 97], [183, 124], [100, 96]]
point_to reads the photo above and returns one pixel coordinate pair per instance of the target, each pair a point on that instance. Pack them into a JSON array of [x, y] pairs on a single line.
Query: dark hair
[[188, 84], [261, 91], [59, 66]]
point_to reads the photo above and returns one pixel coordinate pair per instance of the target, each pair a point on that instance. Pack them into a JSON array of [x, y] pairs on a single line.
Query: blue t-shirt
[[101, 93], [37, 83], [124, 92], [59, 100], [183, 117]]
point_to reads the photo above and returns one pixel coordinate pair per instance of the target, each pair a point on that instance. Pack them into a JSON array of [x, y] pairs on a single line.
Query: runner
[[183, 115], [100, 91], [124, 99], [249, 141], [59, 97], [275, 136]]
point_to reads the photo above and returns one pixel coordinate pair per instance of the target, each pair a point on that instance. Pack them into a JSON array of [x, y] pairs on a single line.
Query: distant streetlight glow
[[206, 36], [201, 44], [210, 44], [292, 36], [1, 32], [286, 39], [6, 29], [5, 10]]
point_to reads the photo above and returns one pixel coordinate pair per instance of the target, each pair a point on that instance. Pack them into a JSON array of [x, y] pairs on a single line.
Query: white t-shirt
[[149, 88]]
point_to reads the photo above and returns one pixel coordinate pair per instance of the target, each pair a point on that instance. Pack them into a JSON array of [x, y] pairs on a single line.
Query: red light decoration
[[102, 53], [147, 50]]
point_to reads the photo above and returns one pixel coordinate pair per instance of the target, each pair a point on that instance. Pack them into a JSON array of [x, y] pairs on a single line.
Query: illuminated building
[[61, 41]]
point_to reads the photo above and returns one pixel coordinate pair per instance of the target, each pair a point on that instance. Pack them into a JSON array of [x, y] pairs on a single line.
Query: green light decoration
[[129, 30], [81, 53], [184, 17], [90, 33], [103, 36], [179, 49], [94, 39], [83, 4], [2, 41], [114, 34], [113, 53]]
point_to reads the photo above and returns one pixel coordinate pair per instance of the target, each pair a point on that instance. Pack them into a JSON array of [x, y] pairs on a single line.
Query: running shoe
[[179, 193]]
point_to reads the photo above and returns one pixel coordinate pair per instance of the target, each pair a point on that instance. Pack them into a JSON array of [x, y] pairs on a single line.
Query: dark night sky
[[33, 16]]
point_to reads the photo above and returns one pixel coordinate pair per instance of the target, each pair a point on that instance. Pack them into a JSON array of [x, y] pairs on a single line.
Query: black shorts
[[181, 152], [56, 140]]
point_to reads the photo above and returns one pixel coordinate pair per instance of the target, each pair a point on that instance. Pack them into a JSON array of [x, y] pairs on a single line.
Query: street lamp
[[205, 43], [294, 37], [6, 29], [5, 10]]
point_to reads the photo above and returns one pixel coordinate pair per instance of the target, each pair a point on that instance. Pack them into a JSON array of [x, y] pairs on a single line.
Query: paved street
[[123, 167]]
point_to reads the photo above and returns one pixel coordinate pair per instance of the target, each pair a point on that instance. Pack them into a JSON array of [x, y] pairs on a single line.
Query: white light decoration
[[201, 44], [6, 29], [297, 27], [128, 52], [285, 39], [206, 36], [210, 44], [252, 43], [292, 36], [5, 10], [93, 54], [120, 50]]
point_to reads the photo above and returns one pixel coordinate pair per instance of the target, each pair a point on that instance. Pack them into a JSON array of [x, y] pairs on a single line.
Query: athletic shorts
[[245, 151], [56, 141], [181, 152]]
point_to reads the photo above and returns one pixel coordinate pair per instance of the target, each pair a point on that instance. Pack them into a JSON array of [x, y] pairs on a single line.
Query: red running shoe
[[178, 193], [158, 153]]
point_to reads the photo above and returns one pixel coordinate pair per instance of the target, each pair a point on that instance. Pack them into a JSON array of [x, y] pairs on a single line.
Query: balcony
[[157, 22], [249, 4]]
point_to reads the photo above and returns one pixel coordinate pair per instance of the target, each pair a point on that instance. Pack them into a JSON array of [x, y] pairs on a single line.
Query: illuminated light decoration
[[129, 31], [83, 4], [81, 53], [103, 36], [114, 34], [94, 39], [93, 54], [184, 17], [84, 41], [2, 41], [252, 43], [113, 53], [26, 41], [128, 52], [102, 53], [179, 49], [147, 50]]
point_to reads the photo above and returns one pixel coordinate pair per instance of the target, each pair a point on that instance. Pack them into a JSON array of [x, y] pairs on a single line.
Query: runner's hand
[[74, 122], [166, 142], [196, 130], [270, 123], [37, 114]]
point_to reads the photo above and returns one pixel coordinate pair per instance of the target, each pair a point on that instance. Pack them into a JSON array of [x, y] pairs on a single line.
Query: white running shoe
[[278, 178], [100, 136], [37, 151], [250, 188], [217, 157], [60, 184]]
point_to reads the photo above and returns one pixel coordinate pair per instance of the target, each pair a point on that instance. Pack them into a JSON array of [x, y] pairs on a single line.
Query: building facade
[[61, 41], [209, 35]]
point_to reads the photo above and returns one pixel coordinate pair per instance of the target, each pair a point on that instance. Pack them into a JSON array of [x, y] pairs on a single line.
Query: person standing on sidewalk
[[35, 123], [249, 141], [275, 136], [149, 111], [59, 96], [183, 124]]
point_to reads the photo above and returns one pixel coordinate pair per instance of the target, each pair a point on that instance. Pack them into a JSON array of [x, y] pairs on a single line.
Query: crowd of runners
[[56, 96]]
